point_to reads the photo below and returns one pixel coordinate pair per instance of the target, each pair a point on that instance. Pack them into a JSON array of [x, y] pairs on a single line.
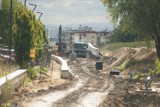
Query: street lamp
[[40, 14], [34, 6], [25, 2]]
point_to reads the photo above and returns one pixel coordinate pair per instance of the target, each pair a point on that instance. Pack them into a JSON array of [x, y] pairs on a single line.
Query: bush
[[43, 69], [32, 72]]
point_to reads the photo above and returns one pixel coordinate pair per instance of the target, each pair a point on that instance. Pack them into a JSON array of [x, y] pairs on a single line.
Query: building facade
[[102, 37], [83, 34]]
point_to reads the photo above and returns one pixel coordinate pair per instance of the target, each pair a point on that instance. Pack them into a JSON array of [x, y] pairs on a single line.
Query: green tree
[[140, 16], [28, 32], [4, 23], [22, 35], [123, 36]]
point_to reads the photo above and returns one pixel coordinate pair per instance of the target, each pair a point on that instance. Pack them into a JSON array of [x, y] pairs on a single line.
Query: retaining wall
[[64, 67], [15, 79]]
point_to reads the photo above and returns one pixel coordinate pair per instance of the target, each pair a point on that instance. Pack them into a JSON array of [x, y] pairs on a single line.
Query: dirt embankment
[[131, 59], [122, 96], [138, 61]]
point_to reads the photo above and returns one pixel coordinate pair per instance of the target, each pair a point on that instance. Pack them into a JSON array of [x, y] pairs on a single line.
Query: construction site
[[79, 53], [125, 79]]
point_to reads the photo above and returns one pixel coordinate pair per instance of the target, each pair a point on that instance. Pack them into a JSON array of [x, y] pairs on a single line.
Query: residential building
[[102, 37], [84, 34], [85, 28]]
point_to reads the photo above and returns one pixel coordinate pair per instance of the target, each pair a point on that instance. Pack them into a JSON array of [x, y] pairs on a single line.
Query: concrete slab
[[64, 67]]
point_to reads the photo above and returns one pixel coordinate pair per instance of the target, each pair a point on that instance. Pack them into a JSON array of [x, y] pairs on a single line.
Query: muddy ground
[[125, 93], [90, 87], [87, 88]]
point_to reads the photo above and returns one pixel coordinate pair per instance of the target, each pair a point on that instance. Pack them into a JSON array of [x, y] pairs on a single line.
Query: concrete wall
[[15, 79], [87, 37], [92, 38], [64, 67]]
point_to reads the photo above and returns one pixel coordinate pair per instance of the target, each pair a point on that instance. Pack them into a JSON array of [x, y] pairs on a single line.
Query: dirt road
[[88, 90]]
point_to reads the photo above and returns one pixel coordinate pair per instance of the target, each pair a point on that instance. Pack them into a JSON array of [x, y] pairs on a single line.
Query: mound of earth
[[134, 59], [137, 60], [144, 54], [124, 95]]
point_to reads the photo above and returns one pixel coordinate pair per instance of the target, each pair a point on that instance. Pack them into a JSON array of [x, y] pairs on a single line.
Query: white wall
[[89, 37]]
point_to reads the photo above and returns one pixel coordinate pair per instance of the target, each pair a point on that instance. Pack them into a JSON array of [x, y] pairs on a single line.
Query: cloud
[[66, 3], [70, 11]]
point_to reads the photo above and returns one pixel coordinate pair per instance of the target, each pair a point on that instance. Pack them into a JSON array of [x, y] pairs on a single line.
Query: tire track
[[91, 94]]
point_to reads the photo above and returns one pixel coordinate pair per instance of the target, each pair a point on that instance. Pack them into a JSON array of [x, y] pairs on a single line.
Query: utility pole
[[25, 2], [10, 35], [60, 34]]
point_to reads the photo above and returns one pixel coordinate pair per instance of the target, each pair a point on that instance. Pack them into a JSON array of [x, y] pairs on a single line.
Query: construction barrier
[[64, 67]]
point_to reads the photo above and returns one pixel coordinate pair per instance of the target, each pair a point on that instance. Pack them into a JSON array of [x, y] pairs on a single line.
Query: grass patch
[[130, 63], [121, 68], [136, 76], [156, 71], [32, 72], [6, 92], [4, 68], [6, 104], [26, 80], [124, 65], [114, 46]]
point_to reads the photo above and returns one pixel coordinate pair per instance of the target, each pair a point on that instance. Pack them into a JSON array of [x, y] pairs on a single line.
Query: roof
[[83, 31], [101, 32]]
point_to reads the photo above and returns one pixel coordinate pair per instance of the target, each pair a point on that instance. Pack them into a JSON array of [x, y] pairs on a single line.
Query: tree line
[[28, 32], [118, 35], [142, 17]]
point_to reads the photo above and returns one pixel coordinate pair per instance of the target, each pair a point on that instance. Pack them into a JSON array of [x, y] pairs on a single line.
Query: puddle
[[49, 99]]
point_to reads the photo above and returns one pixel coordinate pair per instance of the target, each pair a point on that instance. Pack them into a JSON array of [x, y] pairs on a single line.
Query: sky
[[70, 11]]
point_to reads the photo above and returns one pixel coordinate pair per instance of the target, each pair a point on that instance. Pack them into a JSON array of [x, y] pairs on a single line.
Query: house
[[84, 34], [102, 37]]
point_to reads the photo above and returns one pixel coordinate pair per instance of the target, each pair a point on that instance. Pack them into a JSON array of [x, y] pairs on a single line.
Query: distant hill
[[95, 26]]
